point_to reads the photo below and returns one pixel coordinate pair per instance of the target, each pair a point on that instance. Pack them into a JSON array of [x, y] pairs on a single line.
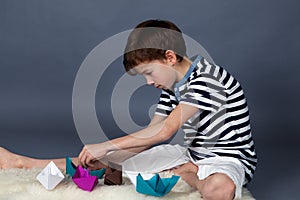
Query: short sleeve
[[204, 92], [167, 102]]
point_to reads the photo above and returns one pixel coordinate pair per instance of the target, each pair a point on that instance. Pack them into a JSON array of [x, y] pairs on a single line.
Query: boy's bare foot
[[9, 160], [187, 167]]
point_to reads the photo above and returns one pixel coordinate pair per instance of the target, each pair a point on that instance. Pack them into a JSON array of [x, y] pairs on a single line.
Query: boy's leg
[[215, 186], [12, 160]]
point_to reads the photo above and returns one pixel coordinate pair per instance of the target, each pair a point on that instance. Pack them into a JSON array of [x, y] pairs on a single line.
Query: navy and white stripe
[[222, 123]]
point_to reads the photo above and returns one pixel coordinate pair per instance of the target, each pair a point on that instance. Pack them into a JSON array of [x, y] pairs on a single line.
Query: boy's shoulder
[[207, 71]]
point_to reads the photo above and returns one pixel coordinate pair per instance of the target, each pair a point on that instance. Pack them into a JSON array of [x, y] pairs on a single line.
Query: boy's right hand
[[91, 153]]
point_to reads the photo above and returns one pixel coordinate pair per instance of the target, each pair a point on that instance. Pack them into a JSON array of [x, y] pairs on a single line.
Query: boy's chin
[[162, 88]]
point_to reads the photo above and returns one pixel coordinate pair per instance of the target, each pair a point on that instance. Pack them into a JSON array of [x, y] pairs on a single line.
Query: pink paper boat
[[84, 180]]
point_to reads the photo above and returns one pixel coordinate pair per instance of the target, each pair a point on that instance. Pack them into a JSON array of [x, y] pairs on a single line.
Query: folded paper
[[50, 176], [113, 174], [71, 168], [133, 174], [155, 186], [84, 180]]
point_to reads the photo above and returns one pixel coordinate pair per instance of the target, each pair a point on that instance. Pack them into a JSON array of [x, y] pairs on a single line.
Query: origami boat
[[155, 186], [84, 180], [50, 176], [113, 174], [71, 168]]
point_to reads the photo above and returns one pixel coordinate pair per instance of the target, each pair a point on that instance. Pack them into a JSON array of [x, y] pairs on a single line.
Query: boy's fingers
[[79, 159], [84, 163], [89, 160], [83, 156], [89, 165], [85, 159]]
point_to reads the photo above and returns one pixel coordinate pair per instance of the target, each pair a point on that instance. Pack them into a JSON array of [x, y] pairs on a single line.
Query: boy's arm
[[120, 156], [158, 131], [157, 119]]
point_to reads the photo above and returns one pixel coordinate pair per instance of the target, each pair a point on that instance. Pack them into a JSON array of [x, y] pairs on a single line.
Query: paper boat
[[155, 186], [71, 168], [50, 176], [113, 174], [84, 180]]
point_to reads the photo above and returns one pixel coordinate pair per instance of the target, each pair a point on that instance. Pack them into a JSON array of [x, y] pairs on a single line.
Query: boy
[[203, 99]]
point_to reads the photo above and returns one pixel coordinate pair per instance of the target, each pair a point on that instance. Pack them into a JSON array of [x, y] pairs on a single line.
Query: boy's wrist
[[108, 146]]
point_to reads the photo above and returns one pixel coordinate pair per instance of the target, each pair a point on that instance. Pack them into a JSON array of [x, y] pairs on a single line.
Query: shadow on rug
[[21, 184]]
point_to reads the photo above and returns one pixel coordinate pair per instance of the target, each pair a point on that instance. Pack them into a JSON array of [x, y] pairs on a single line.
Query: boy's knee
[[218, 186]]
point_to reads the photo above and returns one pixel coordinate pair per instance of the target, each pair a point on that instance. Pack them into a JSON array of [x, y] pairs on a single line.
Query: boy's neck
[[182, 68]]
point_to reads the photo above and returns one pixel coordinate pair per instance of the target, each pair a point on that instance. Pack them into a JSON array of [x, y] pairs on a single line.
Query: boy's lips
[[158, 86]]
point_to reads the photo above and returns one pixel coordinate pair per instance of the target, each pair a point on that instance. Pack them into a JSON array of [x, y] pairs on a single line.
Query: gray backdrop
[[43, 43]]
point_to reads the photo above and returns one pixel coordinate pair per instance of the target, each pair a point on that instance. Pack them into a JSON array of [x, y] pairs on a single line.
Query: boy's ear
[[171, 57]]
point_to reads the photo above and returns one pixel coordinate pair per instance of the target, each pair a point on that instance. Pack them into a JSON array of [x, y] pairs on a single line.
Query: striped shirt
[[222, 124]]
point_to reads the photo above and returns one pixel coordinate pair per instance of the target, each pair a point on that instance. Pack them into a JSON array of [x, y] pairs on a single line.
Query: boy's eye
[[148, 73]]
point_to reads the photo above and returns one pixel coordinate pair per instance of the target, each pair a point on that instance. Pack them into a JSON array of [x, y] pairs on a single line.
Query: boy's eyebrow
[[144, 70], [145, 67]]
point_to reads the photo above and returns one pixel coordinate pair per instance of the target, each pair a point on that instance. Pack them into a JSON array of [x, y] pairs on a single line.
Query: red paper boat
[[84, 180]]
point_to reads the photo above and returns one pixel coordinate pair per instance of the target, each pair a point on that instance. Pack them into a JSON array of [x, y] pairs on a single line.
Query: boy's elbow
[[167, 132]]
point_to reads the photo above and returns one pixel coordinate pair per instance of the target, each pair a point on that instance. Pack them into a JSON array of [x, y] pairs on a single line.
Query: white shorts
[[232, 167], [168, 156]]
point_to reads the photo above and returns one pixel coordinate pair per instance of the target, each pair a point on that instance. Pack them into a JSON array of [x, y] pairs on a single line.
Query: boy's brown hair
[[150, 40]]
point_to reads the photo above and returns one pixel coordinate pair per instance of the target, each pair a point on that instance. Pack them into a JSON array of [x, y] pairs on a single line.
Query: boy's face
[[158, 73]]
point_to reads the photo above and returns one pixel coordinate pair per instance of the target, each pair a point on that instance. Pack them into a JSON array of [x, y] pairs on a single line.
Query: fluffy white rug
[[20, 184]]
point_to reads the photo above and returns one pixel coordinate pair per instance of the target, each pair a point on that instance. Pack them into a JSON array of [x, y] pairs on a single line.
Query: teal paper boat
[[155, 186], [71, 169]]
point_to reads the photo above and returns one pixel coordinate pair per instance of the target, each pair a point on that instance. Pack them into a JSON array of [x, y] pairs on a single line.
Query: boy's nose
[[150, 81]]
